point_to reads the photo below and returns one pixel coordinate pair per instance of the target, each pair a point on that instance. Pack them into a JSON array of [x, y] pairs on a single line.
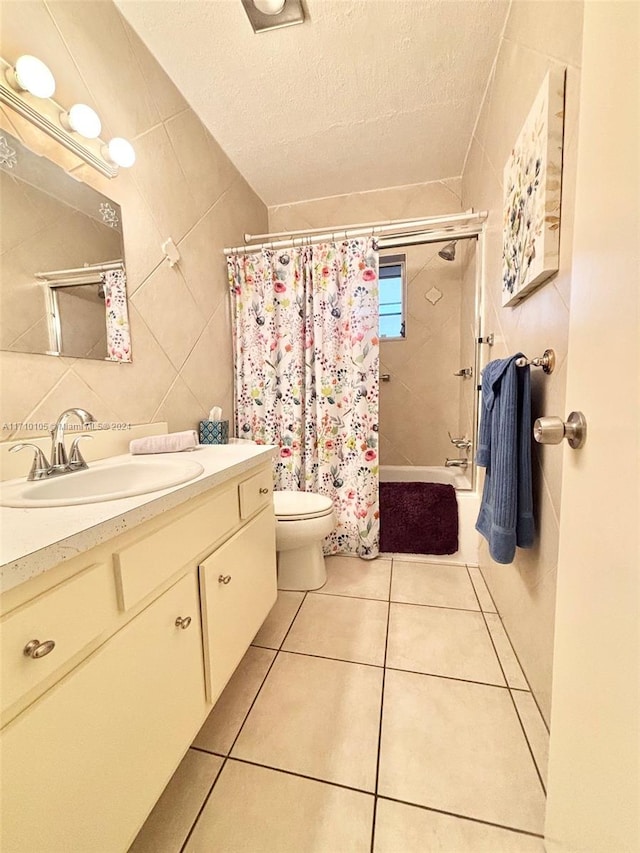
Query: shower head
[[448, 253]]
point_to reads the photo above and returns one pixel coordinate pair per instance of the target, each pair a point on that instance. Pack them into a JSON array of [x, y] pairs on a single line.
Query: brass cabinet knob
[[264, 491], [35, 649], [183, 622], [224, 579]]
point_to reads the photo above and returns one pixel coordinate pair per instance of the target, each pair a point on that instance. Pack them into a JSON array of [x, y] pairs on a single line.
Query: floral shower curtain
[[306, 375]]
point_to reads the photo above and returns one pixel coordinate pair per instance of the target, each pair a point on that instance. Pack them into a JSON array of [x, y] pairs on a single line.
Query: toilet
[[303, 519]]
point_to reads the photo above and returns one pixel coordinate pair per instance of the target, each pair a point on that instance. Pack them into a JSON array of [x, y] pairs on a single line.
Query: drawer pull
[[264, 491], [183, 622], [224, 578], [35, 649]]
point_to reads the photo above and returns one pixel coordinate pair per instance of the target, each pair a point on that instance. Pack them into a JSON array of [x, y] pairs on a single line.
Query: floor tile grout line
[[524, 674], [437, 606], [204, 804], [295, 616], [367, 793], [206, 799], [515, 654], [395, 601], [495, 609], [399, 669], [226, 757], [329, 657], [384, 674], [346, 595], [461, 816], [298, 775], [526, 736], [449, 677], [513, 702]]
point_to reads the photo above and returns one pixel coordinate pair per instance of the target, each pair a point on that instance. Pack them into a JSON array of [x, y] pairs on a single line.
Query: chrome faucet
[[456, 463], [460, 443], [60, 462]]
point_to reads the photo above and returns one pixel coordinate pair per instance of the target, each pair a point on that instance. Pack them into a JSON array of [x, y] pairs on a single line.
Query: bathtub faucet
[[461, 443], [456, 463]]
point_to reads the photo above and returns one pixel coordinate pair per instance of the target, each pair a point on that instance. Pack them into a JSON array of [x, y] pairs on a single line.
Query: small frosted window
[[392, 291]]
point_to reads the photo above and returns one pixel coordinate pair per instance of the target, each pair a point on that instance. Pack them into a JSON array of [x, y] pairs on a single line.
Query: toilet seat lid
[[289, 504]]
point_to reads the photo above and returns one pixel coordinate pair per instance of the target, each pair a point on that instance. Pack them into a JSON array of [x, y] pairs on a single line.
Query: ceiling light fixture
[[269, 7], [31, 75], [83, 120], [273, 14], [119, 151]]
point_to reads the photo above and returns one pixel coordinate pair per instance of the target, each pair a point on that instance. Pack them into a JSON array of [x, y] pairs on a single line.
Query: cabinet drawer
[[143, 566], [87, 761], [70, 615], [255, 493], [238, 589]]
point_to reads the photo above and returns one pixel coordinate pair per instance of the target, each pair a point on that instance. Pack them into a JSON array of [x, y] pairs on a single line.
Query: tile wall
[[182, 186], [537, 36]]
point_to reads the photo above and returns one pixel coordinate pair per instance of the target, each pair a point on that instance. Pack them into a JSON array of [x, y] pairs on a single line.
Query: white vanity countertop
[[34, 540]]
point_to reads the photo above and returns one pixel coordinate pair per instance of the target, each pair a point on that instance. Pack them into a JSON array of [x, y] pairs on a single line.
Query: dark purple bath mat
[[418, 518]]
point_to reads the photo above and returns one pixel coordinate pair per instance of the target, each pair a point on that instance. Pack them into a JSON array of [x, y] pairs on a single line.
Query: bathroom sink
[[107, 480]]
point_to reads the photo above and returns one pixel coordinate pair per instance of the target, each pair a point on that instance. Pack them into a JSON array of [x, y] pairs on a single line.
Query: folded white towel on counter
[[173, 442]]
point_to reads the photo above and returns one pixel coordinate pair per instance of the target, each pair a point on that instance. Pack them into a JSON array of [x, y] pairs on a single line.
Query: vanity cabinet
[[235, 581], [82, 763], [147, 636]]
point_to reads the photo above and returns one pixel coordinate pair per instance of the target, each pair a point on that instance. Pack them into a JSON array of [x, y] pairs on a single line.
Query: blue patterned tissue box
[[214, 432]]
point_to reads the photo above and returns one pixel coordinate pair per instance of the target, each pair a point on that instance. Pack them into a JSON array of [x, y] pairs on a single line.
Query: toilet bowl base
[[302, 568]]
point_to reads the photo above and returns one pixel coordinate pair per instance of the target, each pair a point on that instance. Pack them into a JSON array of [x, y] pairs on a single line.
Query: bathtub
[[457, 477], [468, 505]]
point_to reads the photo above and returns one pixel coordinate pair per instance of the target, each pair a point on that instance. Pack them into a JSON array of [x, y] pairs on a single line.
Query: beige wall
[[421, 403], [182, 185], [537, 35]]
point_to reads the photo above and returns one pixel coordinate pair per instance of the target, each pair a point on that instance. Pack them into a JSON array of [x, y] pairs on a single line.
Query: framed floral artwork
[[532, 195]]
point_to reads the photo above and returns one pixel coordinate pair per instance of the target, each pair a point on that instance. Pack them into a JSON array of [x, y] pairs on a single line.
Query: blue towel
[[504, 449]]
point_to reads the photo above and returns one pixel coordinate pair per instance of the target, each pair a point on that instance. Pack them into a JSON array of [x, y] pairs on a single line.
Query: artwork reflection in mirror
[[62, 274]]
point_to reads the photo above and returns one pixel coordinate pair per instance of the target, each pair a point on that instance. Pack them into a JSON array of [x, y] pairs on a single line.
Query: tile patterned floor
[[385, 713]]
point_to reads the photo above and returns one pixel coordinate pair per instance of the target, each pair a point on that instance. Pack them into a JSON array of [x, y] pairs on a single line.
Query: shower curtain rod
[[447, 225], [53, 275]]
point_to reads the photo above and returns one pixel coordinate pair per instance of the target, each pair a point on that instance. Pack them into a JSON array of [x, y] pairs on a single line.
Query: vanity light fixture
[[273, 14], [120, 152], [78, 128], [30, 74], [83, 120]]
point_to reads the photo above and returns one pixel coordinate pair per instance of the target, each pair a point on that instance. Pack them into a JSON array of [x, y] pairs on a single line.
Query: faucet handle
[[461, 443], [40, 467], [76, 459]]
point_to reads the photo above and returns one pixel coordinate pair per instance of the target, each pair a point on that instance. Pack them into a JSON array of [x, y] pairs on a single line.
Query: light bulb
[[32, 75], [83, 120], [120, 152], [269, 7]]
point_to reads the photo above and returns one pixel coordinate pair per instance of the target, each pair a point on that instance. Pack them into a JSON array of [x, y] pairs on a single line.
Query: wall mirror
[[62, 273]]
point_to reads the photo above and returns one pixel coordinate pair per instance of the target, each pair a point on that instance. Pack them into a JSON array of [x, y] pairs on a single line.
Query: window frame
[[401, 261]]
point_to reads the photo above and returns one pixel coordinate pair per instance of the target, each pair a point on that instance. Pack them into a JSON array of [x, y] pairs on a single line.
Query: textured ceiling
[[365, 94]]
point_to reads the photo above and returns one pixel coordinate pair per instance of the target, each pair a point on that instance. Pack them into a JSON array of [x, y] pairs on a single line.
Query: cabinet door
[[238, 589], [83, 766]]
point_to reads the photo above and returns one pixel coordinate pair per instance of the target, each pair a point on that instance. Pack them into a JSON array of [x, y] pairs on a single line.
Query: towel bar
[[547, 361]]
